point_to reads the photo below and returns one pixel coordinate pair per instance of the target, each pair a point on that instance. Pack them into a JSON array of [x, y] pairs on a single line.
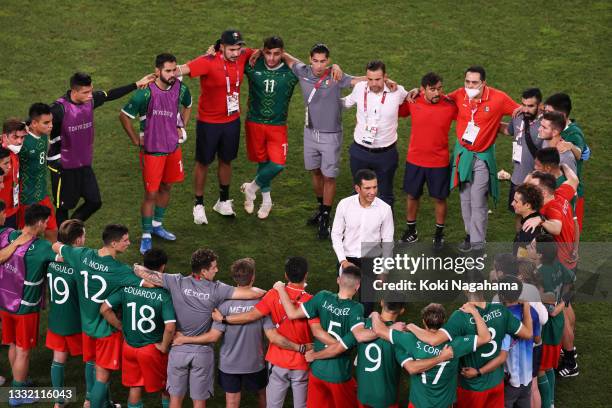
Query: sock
[[320, 200], [266, 197], [158, 216], [137, 405], [439, 230], [544, 388], [411, 226], [90, 377], [266, 173], [165, 402], [223, 192], [57, 374], [99, 394], [199, 200], [18, 384], [326, 209], [551, 384], [147, 225], [570, 355]]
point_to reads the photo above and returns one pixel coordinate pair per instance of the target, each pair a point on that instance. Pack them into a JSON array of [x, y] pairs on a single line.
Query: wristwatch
[[224, 320], [478, 373]]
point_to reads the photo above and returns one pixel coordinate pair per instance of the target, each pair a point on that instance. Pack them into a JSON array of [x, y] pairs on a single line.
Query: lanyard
[[317, 86], [365, 99], [227, 78]]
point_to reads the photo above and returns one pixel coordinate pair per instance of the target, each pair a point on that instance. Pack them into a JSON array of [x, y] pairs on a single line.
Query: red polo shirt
[[11, 181], [296, 331], [560, 209], [212, 69], [429, 130], [488, 112]]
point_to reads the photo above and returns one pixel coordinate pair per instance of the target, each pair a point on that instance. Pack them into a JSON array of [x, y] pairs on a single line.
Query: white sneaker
[[199, 215], [224, 208], [264, 210], [249, 198]]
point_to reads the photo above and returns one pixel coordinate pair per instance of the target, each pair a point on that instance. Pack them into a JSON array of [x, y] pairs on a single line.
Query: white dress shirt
[[354, 225], [378, 114]]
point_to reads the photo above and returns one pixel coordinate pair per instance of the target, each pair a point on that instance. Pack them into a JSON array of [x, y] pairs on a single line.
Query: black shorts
[[437, 179], [536, 359], [69, 185], [511, 197], [214, 139], [252, 382]]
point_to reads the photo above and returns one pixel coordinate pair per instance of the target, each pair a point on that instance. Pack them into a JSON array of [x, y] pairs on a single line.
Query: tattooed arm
[[151, 278]]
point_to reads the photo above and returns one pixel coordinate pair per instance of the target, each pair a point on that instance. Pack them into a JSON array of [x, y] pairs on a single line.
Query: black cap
[[232, 37]]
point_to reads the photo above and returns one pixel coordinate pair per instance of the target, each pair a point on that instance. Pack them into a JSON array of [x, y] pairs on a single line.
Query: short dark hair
[[430, 79], [79, 79], [113, 233], [70, 230], [510, 295], [561, 102], [161, 59], [478, 69], [4, 152], [376, 65], [506, 263], [38, 109], [363, 174], [296, 268], [35, 213], [11, 125], [2, 205], [154, 259], [273, 42], [433, 315], [530, 195], [319, 48], [202, 259], [547, 247], [243, 271], [556, 119], [549, 156], [393, 307], [546, 180], [352, 271], [532, 93]]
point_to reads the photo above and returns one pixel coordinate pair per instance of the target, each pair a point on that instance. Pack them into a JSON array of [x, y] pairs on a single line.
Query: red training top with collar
[[11, 181], [429, 130], [212, 104], [560, 209], [488, 112]]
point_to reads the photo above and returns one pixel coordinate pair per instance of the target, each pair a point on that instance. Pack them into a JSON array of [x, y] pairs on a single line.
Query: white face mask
[[14, 148], [472, 92]]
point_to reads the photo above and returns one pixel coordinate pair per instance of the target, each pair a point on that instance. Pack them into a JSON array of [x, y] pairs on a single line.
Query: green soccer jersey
[[138, 105], [552, 331], [500, 322], [377, 372], [574, 135], [98, 277], [36, 260], [554, 276], [64, 315], [270, 92], [437, 386], [338, 317], [144, 312], [33, 169]]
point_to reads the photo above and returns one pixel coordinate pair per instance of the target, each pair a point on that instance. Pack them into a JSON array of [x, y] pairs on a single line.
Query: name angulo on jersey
[[61, 268]]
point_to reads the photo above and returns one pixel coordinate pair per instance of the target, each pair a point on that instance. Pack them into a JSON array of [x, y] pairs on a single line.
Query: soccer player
[[485, 388], [33, 166], [148, 324], [427, 159], [330, 383], [14, 132], [271, 85], [218, 125], [71, 144], [100, 274], [190, 366], [433, 369], [163, 108], [64, 333], [21, 301]]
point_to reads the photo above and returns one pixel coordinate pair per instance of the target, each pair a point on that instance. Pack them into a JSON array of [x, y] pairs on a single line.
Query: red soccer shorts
[[323, 394], [580, 211], [266, 142], [89, 348], [166, 169], [105, 351], [550, 356], [491, 398], [51, 224], [360, 405], [73, 343], [20, 329], [143, 366]]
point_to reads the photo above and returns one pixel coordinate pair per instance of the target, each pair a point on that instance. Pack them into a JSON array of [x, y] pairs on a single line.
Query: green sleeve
[[115, 299], [356, 315], [349, 340], [463, 345], [455, 326], [403, 345], [576, 139], [311, 308], [71, 255], [512, 323], [567, 275], [49, 254], [167, 309], [137, 105], [127, 277], [185, 96]]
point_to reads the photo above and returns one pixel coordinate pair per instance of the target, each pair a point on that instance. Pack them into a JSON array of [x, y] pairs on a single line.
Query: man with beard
[[163, 108]]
